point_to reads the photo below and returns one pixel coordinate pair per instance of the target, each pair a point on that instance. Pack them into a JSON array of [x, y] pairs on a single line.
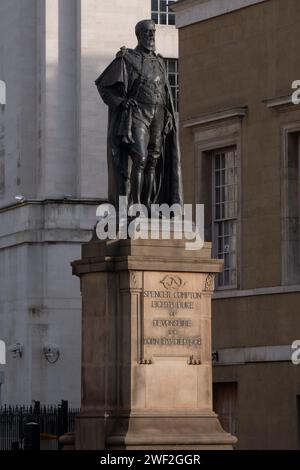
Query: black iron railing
[[54, 421]]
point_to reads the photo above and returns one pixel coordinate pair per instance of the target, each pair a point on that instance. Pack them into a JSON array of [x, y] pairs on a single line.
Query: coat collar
[[141, 51]]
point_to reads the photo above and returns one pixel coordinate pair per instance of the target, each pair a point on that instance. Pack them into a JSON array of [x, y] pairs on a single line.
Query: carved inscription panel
[[171, 315]]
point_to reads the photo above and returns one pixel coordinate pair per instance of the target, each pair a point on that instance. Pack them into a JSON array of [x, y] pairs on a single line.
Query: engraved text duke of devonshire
[[172, 316]]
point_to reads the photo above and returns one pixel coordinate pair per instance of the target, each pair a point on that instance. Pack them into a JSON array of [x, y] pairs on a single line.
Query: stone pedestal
[[146, 347]]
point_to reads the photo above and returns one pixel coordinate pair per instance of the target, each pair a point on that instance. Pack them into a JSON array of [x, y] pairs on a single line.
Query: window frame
[[160, 12], [176, 74], [215, 221], [286, 275], [209, 138]]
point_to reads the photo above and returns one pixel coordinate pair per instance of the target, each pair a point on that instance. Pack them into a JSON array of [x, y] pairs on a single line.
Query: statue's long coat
[[120, 80]]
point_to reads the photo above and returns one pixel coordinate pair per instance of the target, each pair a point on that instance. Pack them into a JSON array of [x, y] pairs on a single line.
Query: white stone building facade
[[53, 176]]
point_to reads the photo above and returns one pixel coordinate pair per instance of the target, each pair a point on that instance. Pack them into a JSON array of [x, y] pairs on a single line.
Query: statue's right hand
[[130, 102]]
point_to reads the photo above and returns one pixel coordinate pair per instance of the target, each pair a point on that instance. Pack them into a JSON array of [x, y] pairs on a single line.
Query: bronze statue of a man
[[143, 150]]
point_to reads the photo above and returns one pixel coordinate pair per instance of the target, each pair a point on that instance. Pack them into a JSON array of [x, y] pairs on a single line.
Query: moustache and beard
[[148, 43]]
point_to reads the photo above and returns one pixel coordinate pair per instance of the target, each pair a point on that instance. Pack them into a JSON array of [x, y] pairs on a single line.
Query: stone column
[[146, 347]]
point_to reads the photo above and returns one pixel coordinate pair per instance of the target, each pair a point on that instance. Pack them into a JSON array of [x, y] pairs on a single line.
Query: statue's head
[[145, 33]]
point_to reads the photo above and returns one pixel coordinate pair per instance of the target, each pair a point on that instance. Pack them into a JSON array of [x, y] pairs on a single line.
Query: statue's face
[[146, 36]]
